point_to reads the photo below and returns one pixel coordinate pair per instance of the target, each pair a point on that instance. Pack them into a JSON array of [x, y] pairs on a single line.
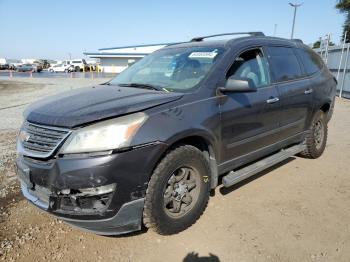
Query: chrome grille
[[41, 141]]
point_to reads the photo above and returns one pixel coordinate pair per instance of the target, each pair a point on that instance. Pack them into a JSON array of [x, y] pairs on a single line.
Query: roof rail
[[298, 41], [200, 38]]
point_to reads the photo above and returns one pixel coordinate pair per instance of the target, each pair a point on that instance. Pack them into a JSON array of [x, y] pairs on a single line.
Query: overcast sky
[[53, 29]]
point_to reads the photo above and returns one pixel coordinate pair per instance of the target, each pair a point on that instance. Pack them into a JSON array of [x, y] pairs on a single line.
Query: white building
[[116, 59], [28, 60], [4, 61]]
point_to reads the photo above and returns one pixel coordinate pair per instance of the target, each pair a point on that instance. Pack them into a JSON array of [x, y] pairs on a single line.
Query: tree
[[344, 7], [317, 44]]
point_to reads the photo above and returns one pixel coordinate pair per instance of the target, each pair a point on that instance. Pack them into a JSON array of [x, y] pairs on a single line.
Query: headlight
[[103, 136]]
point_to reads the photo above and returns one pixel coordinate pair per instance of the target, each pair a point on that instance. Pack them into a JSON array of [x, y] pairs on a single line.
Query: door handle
[[272, 100], [308, 91]]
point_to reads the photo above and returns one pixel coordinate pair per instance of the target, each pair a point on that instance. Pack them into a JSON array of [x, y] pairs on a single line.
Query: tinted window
[[250, 65], [312, 62], [284, 64]]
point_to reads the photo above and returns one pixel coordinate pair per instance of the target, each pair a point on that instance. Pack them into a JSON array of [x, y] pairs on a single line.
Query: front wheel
[[316, 138], [178, 191]]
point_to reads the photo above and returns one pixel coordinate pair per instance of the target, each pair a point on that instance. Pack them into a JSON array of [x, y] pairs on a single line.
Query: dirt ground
[[296, 211]]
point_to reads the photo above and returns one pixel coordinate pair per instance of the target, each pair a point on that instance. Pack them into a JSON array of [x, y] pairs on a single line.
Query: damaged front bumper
[[102, 194], [128, 218]]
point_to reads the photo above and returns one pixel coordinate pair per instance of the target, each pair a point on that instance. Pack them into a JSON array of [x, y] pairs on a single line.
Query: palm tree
[[344, 7]]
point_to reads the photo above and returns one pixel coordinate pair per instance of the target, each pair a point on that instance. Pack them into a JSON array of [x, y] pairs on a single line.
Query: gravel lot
[[296, 211], [15, 95]]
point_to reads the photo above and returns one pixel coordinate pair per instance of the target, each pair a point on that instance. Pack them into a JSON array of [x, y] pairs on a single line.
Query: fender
[[211, 143]]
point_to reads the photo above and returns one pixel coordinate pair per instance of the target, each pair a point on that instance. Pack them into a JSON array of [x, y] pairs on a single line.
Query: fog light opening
[[87, 200]]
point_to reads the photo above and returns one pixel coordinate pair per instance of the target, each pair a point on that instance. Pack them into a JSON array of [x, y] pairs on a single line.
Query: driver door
[[249, 120]]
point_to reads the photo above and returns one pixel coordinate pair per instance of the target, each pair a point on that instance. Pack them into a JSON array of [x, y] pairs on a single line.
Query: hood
[[84, 105]]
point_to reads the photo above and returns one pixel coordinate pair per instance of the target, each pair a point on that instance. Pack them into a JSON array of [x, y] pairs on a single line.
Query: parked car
[[61, 68], [25, 68], [13, 66], [149, 145], [4, 66], [79, 64], [50, 69], [14, 63]]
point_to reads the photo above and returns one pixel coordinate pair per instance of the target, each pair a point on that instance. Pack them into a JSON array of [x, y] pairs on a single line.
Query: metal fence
[[337, 59], [338, 63]]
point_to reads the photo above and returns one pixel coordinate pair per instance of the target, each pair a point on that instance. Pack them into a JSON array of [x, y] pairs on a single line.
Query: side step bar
[[237, 176]]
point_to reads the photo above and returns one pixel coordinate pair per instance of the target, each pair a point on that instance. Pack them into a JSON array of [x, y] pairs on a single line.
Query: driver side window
[[252, 66]]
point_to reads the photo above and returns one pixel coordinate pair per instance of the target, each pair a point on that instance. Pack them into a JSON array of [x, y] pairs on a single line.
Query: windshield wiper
[[140, 85]]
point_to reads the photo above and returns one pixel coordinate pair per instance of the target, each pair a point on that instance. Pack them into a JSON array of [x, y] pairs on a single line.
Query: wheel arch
[[201, 141], [327, 108]]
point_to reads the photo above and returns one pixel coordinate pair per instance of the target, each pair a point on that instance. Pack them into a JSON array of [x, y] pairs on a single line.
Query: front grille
[[41, 141]]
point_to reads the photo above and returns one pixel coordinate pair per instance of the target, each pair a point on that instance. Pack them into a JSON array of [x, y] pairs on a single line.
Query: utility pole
[[275, 30], [295, 6]]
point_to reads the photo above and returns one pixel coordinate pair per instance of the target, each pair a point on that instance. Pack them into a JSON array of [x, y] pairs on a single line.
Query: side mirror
[[238, 85]]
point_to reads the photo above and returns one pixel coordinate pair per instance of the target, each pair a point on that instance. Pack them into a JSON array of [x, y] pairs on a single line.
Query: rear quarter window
[[284, 64], [312, 62]]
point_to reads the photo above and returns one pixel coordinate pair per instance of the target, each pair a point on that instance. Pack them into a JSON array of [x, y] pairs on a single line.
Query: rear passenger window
[[284, 64], [312, 62]]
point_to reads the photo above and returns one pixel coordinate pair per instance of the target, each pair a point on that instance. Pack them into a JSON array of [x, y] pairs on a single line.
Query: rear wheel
[[316, 138], [178, 191], [77, 69]]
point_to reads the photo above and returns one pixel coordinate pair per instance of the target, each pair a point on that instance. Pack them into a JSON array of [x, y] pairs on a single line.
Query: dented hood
[[85, 105]]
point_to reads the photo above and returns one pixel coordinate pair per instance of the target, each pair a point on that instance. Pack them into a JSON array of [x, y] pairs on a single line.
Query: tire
[[316, 138], [161, 215], [77, 69]]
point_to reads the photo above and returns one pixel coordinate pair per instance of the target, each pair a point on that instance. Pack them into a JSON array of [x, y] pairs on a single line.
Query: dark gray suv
[[147, 147]]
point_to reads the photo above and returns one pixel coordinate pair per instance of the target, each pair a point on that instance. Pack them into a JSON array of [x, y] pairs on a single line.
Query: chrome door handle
[[308, 91], [272, 100]]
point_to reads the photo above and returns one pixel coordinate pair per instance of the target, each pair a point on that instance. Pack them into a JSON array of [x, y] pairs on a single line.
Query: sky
[[57, 29]]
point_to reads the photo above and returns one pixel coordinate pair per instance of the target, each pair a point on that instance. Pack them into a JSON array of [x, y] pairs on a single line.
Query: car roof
[[226, 43]]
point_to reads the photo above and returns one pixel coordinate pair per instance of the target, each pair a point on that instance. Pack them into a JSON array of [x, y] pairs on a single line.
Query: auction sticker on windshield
[[202, 55]]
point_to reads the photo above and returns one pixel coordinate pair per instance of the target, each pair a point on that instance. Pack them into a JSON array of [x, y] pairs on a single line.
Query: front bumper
[[53, 186], [128, 218]]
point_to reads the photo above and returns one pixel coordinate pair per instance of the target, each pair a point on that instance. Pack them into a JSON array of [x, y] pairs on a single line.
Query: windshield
[[178, 70]]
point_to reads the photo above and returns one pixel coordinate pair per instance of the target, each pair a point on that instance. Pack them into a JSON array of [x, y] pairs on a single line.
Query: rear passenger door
[[295, 91]]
